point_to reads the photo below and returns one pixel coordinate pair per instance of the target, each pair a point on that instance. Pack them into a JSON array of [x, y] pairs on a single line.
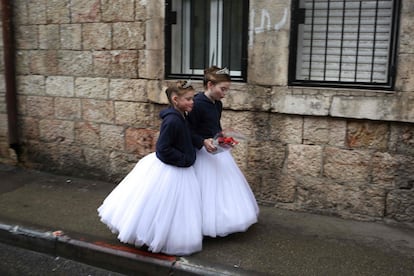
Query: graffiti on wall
[[265, 23]]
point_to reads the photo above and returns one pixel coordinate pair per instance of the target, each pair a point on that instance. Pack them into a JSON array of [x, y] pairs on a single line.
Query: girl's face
[[185, 102], [219, 90]]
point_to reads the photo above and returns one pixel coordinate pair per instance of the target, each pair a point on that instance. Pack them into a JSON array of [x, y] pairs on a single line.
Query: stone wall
[[90, 78]]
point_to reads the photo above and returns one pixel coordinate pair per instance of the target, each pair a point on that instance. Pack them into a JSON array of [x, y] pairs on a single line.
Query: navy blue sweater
[[174, 144], [204, 119]]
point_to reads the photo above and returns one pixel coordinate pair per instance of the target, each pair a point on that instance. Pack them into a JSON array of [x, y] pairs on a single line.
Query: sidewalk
[[57, 215]]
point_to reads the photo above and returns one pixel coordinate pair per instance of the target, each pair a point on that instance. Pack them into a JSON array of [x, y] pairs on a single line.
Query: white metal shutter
[[344, 41]]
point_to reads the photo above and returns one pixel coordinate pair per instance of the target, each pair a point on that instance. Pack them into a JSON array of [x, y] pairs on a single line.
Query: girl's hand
[[209, 145]]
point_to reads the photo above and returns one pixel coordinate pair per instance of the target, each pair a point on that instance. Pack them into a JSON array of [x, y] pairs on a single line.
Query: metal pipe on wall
[[10, 73]]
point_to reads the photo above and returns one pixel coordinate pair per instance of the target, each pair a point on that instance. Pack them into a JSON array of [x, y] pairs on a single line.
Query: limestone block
[[37, 154], [2, 85], [58, 131], [60, 86], [71, 160], [96, 36], [264, 165], [283, 102], [154, 34], [98, 111], [268, 42], [112, 137], [404, 80], [265, 155], [102, 63], [22, 105], [43, 62], [325, 131], [402, 139], [87, 133], [400, 205], [71, 36], [26, 37], [285, 189], [37, 11], [3, 107], [351, 201], [117, 10], [384, 170], [134, 114], [5, 151], [319, 193], [141, 13], [404, 172], [40, 107], [124, 64], [49, 37], [346, 165], [58, 11], [253, 126], [23, 62], [151, 64], [96, 158], [20, 12], [28, 128], [286, 129], [239, 97], [373, 108], [407, 107], [128, 36], [269, 16], [3, 125], [406, 43], [153, 8], [268, 59], [75, 63], [31, 85], [156, 92], [94, 88], [134, 90], [85, 11], [67, 108], [304, 160], [120, 164], [140, 141], [368, 135]]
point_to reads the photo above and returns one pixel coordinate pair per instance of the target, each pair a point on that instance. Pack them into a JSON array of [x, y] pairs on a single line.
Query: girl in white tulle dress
[[228, 203], [158, 204]]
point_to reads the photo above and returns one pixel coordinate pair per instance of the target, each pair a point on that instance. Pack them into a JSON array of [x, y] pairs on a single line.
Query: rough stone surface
[[90, 79]]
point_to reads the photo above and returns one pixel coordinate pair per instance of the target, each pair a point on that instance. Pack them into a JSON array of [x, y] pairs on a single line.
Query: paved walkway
[[57, 215]]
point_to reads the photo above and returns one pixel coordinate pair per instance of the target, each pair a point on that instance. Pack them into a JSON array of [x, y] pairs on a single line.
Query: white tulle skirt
[[228, 203], [157, 205]]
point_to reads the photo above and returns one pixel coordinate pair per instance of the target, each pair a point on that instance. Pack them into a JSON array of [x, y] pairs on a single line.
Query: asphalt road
[[22, 262]]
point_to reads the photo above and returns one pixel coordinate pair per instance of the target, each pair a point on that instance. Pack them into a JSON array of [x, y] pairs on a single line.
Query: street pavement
[[57, 215], [17, 261]]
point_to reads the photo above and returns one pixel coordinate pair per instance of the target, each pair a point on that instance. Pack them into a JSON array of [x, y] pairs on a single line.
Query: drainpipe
[[10, 76]]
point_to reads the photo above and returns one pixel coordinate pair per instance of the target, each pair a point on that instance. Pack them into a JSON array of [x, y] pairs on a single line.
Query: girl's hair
[[180, 88], [216, 75]]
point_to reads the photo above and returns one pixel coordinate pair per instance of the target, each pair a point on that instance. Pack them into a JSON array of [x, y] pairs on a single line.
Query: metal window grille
[[343, 43], [204, 33]]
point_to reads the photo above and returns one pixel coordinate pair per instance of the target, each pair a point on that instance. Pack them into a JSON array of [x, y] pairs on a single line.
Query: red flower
[[226, 141]]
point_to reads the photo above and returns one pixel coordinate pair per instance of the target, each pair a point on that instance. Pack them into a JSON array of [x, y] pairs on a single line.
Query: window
[[343, 43], [204, 33]]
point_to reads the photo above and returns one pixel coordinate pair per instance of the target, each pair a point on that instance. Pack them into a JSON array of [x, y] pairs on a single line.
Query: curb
[[121, 259]]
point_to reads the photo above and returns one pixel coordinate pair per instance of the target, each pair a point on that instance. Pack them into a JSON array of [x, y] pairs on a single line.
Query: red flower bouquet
[[226, 140]]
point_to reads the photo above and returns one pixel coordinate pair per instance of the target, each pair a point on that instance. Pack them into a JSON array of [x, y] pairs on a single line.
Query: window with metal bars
[[200, 34], [344, 43]]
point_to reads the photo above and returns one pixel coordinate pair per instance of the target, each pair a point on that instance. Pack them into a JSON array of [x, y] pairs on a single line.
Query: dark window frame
[[298, 17], [170, 19]]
